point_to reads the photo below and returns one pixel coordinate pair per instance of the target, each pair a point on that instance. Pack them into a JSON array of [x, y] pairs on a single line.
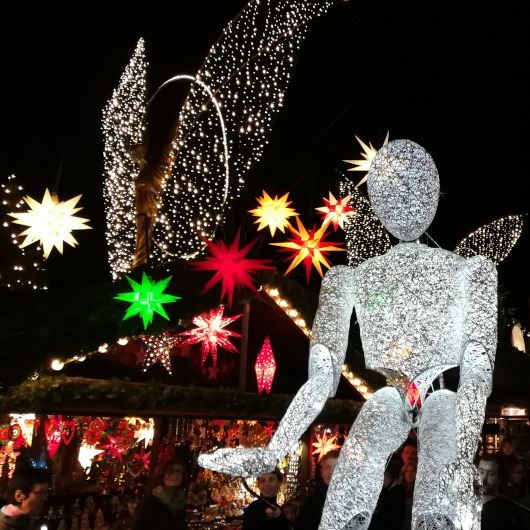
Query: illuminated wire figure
[[440, 312]]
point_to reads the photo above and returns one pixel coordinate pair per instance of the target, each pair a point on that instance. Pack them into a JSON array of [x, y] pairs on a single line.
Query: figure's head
[[270, 483], [328, 465], [492, 471], [28, 489], [404, 187]]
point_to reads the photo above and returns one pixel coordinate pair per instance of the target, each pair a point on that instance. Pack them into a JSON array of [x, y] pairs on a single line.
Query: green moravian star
[[147, 298]]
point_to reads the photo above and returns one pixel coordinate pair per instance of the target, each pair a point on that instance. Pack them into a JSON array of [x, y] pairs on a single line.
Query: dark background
[[450, 76]]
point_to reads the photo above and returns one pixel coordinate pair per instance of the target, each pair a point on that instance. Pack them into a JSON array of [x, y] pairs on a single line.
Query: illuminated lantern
[[53, 430], [324, 445], [265, 367], [157, 350], [25, 423], [116, 447], [273, 213], [87, 453], [413, 395]]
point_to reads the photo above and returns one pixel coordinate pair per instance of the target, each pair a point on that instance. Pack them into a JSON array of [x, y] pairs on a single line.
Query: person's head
[[171, 473], [391, 473], [28, 489], [289, 510], [408, 473], [517, 472], [507, 448], [409, 451], [270, 483], [404, 187], [492, 471], [328, 465]]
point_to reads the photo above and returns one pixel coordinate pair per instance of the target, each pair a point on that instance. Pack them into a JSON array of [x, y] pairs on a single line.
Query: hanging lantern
[[265, 367]]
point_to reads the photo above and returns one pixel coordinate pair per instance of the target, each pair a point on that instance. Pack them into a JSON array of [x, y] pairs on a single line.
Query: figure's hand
[[240, 462]]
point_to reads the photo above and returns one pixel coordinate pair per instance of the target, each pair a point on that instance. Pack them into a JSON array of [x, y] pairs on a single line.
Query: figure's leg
[[437, 448], [380, 428]]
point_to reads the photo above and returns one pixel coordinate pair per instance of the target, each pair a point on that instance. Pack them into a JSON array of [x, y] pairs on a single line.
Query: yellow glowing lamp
[[51, 222]]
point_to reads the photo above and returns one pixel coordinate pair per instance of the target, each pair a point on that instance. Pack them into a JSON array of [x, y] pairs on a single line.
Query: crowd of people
[[505, 495]]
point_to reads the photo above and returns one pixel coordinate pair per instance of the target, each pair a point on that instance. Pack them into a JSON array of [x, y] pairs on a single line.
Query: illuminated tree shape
[[324, 445], [336, 211], [50, 222], [210, 331], [368, 155], [231, 266], [147, 299], [157, 350], [309, 248], [265, 367], [273, 213]]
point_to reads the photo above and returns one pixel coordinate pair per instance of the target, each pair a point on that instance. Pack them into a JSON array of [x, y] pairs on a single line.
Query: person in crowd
[[409, 452], [264, 513], [517, 488], [27, 491], [508, 452], [389, 513], [311, 510], [290, 512], [497, 512], [165, 508], [408, 479]]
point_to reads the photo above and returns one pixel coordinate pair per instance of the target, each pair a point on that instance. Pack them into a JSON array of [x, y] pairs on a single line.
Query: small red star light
[[116, 446], [211, 333], [213, 372], [336, 211], [230, 266], [324, 445], [309, 248], [265, 367]]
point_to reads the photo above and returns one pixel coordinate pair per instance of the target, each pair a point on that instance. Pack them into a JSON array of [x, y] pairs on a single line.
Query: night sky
[[450, 76]]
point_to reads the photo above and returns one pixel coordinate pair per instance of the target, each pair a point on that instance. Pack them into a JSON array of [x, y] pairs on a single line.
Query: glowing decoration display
[[337, 212], [273, 213], [7, 452], [87, 454], [309, 248], [246, 75], [146, 433], [50, 222], [358, 382], [324, 445], [26, 423], [147, 299], [289, 309], [122, 128], [494, 240], [231, 266], [442, 313], [210, 331], [157, 350], [116, 446], [368, 155], [53, 430], [517, 339], [265, 367]]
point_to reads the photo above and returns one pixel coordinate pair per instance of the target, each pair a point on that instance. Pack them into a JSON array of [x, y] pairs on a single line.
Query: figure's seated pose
[[435, 310]]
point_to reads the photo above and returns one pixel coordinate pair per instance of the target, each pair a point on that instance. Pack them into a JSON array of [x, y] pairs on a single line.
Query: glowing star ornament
[[210, 331], [50, 222], [273, 213], [87, 453], [147, 299], [336, 211], [309, 248], [368, 155], [116, 447], [231, 266], [158, 349], [265, 367], [324, 445]]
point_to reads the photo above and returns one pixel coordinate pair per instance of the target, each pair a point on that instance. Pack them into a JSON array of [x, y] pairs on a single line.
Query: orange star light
[[336, 211], [309, 247], [273, 213], [230, 266], [324, 445]]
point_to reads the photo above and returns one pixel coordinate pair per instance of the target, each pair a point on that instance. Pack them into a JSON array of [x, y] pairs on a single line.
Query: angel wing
[[366, 237], [226, 118], [494, 240]]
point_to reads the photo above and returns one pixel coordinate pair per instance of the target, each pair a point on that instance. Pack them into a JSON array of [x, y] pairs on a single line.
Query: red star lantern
[[265, 367], [336, 211], [230, 266], [157, 350], [324, 445], [116, 446], [211, 333], [309, 247]]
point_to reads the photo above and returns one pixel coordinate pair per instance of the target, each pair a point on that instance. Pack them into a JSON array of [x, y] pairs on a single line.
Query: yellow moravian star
[[273, 213], [368, 155]]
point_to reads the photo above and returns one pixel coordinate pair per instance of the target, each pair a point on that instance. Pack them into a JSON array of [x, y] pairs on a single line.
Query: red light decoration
[[230, 266], [413, 395], [116, 446], [211, 333], [54, 433], [265, 367], [324, 445], [336, 211]]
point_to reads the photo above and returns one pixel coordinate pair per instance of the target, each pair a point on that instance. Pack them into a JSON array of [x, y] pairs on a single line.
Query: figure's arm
[[479, 345], [328, 349]]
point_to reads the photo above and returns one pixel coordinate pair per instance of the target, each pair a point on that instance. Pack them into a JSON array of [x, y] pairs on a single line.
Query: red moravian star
[[230, 266], [336, 210], [210, 331]]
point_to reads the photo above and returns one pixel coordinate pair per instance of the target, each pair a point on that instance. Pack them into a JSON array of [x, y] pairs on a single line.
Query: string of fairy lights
[[122, 128]]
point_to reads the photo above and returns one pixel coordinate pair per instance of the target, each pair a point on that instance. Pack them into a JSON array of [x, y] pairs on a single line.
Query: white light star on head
[[51, 222], [368, 155]]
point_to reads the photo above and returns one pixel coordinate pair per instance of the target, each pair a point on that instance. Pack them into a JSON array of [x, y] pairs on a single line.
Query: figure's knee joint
[[321, 364], [475, 365]]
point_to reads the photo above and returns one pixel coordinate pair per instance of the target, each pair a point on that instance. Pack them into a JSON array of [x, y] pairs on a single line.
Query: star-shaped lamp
[[50, 222], [324, 445], [231, 266], [147, 299], [265, 367], [368, 155], [158, 349], [336, 211], [273, 213], [210, 331], [308, 247], [87, 453]]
